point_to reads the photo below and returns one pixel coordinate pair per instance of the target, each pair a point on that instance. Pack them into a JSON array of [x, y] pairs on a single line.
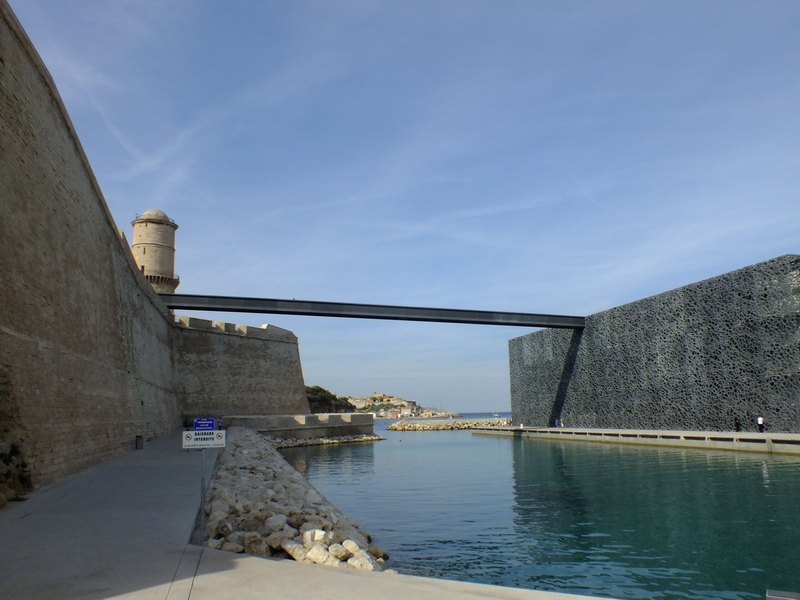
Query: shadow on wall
[[566, 376]]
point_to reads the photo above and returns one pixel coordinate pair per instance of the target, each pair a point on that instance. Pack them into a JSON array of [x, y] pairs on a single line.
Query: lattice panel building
[[693, 358]]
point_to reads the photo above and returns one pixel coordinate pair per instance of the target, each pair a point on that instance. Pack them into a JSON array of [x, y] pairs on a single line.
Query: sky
[[558, 157]]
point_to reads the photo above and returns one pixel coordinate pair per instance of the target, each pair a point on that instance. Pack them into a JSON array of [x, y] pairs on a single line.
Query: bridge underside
[[368, 311]]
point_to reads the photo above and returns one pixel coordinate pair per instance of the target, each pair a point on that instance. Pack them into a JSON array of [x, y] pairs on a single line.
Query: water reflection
[[342, 460], [619, 521], [594, 519]]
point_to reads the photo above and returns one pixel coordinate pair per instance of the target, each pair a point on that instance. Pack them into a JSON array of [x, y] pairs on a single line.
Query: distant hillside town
[[384, 406]]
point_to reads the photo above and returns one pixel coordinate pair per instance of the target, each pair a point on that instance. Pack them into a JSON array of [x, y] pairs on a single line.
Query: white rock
[[259, 504], [351, 546], [276, 522], [320, 555], [364, 561], [315, 536], [339, 551], [295, 550], [232, 547]]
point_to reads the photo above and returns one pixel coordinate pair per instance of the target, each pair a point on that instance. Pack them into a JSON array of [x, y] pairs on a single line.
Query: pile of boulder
[[342, 439], [259, 504], [440, 425]]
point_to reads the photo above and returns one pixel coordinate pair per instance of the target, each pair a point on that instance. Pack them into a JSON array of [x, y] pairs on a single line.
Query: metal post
[[202, 495]]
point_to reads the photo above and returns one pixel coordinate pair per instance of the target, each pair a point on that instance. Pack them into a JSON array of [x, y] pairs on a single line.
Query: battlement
[[163, 283], [305, 426], [266, 332]]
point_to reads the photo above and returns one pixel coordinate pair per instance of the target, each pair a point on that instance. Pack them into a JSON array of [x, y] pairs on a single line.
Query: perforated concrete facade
[[692, 358]]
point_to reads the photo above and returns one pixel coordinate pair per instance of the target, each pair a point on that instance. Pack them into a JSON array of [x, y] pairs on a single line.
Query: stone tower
[[154, 249]]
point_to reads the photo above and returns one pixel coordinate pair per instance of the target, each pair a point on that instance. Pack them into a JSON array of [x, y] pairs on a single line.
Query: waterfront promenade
[[121, 529], [768, 443]]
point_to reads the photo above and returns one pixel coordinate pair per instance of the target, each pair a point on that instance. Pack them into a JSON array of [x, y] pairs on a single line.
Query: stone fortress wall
[[91, 360], [691, 359], [227, 369]]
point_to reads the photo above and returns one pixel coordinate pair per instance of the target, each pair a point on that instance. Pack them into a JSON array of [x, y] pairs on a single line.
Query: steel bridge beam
[[367, 311]]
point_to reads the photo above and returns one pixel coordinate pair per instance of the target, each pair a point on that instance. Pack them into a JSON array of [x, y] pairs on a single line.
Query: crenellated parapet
[[305, 426], [227, 368], [265, 332]]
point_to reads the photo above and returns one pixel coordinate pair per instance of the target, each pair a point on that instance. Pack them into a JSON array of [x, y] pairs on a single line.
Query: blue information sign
[[205, 424]]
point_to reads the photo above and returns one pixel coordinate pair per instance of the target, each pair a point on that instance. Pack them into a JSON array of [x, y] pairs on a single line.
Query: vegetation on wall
[[377, 407], [321, 400]]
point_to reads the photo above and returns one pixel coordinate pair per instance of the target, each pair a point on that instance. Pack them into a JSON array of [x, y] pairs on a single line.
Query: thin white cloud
[[524, 156]]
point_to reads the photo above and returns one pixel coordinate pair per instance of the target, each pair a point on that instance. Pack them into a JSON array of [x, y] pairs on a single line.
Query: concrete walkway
[[121, 530]]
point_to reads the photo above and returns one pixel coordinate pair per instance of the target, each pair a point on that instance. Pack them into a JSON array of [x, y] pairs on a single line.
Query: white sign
[[204, 439]]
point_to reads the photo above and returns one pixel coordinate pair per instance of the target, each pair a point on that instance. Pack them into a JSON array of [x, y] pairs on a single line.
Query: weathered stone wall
[[85, 361], [90, 357], [231, 369], [692, 358], [305, 426]]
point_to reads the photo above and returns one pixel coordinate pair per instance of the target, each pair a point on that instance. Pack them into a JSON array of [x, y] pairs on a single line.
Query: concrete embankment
[[446, 424], [766, 443], [258, 504]]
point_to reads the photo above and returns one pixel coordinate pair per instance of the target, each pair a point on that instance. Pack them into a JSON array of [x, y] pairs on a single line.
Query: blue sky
[[552, 157]]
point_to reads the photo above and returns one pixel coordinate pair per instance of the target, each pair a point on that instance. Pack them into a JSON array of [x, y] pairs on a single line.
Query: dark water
[[594, 519]]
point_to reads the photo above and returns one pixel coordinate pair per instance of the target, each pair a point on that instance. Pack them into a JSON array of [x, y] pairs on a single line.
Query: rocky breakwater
[[446, 425], [258, 504], [342, 439]]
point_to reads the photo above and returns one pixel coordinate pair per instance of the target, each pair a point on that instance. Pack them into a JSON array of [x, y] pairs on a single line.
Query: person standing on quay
[[760, 424]]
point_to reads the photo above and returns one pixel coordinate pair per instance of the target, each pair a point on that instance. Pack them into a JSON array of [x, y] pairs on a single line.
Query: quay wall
[[91, 360], [693, 358], [305, 427], [226, 369], [85, 345]]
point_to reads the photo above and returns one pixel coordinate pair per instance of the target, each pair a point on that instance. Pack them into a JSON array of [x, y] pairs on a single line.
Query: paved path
[[121, 530]]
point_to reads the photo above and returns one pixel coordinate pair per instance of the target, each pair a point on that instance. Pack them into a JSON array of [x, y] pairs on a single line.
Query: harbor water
[[596, 519]]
